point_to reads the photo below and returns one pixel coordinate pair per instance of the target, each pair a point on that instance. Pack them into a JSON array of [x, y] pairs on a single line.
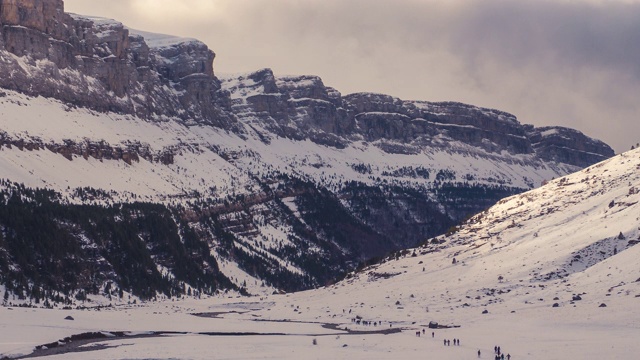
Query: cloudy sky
[[572, 63]]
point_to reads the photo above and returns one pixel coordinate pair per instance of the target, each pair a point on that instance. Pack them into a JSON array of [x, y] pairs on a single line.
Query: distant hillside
[[570, 243]]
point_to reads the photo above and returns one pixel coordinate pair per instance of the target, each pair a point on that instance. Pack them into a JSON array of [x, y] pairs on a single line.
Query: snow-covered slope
[[531, 275], [574, 236], [41, 124]]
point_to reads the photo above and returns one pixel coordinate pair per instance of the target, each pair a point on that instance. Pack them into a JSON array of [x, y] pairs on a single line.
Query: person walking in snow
[[508, 356], [479, 353]]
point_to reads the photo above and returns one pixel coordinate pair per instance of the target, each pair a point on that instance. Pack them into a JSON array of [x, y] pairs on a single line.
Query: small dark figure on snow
[[422, 331], [495, 349], [445, 342], [508, 356], [433, 334], [479, 354]]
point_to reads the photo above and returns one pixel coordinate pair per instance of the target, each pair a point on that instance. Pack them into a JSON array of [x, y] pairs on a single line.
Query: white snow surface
[[503, 261], [155, 40], [101, 21]]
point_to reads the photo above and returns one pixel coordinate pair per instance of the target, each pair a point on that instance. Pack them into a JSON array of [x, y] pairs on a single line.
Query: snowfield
[[198, 162], [548, 274]]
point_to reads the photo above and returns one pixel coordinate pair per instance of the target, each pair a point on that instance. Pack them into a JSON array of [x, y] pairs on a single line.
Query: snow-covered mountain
[[258, 181], [550, 273]]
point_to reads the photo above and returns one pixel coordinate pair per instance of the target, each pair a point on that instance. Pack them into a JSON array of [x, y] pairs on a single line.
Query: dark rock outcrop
[[569, 146], [130, 152], [41, 15]]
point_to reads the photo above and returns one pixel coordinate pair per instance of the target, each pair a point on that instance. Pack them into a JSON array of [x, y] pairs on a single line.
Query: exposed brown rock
[[105, 67], [41, 15]]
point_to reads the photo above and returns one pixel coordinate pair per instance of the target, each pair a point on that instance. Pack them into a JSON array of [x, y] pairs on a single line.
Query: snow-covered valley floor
[[531, 332]]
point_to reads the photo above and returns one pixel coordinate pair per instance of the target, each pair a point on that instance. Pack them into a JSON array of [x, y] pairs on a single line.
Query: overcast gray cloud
[[571, 63]]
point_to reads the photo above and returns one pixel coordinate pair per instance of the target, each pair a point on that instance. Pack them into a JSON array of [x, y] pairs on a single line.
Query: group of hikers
[[499, 354], [456, 342], [359, 321]]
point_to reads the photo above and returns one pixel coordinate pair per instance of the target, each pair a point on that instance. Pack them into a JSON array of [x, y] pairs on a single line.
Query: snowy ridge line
[[575, 150], [155, 40]]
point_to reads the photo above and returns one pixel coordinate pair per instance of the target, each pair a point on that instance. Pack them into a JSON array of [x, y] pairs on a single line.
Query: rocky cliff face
[[304, 108], [283, 179], [98, 63], [555, 143], [42, 15]]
